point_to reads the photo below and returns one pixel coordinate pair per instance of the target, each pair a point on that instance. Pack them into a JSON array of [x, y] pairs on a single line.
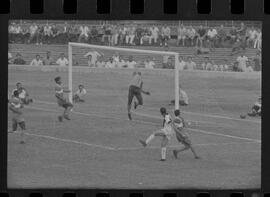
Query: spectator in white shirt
[[258, 40], [154, 34], [212, 36], [80, 94], [84, 31], [242, 62], [36, 61], [165, 35], [110, 63], [182, 63], [252, 33], [149, 64], [131, 63], [190, 65], [191, 33], [181, 35], [92, 57], [33, 32], [62, 60]]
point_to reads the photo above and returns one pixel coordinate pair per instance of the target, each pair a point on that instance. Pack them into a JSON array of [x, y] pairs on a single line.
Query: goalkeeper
[[135, 89]]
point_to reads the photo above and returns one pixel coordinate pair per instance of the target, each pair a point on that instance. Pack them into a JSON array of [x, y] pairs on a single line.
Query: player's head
[[163, 110], [134, 73], [37, 56], [18, 85], [177, 112], [57, 80], [81, 86], [139, 73], [62, 55], [16, 93]]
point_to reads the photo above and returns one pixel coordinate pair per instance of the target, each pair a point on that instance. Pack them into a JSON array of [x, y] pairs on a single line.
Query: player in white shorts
[[166, 133]]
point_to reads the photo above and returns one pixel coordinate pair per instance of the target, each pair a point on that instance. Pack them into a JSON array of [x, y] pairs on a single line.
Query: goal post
[[72, 45]]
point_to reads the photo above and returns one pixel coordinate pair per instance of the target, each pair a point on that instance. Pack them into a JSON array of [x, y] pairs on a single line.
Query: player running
[[135, 89], [165, 133], [23, 94], [181, 135], [61, 100], [15, 106]]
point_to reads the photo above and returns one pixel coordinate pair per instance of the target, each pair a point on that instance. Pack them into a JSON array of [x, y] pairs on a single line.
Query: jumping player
[[23, 94], [61, 100], [165, 133], [135, 89], [181, 135], [15, 106]]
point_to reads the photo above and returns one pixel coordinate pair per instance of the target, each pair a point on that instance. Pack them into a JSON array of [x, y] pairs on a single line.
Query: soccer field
[[99, 147]]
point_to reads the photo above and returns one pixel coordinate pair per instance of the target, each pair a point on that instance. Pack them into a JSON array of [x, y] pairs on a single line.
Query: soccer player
[[61, 100], [135, 89], [179, 127], [165, 133], [78, 96], [256, 108], [15, 106], [23, 94]]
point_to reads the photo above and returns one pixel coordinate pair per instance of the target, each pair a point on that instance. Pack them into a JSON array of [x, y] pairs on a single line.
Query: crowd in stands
[[137, 34], [97, 59]]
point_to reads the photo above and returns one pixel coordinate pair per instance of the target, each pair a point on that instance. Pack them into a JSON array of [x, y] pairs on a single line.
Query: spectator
[[110, 63], [212, 37], [130, 35], [149, 63], [17, 33], [258, 40], [80, 94], [62, 60], [115, 34], [25, 34], [93, 36], [206, 65], [190, 65], [75, 60], [146, 36], [106, 38], [165, 35], [166, 62], [121, 63], [33, 33], [84, 31], [9, 58], [214, 66], [138, 34], [232, 35], [257, 62], [19, 60], [93, 57], [181, 35], [237, 46], [182, 63], [251, 35], [221, 36], [202, 50], [201, 34], [191, 34], [55, 33], [39, 35], [122, 35], [36, 61], [47, 33], [154, 34], [131, 63], [242, 62], [74, 33], [48, 60]]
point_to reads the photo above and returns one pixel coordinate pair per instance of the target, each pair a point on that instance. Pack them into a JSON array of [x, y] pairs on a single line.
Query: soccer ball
[[242, 116]]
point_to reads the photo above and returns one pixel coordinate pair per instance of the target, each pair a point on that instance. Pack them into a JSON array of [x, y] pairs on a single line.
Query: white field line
[[151, 123], [123, 148], [194, 113]]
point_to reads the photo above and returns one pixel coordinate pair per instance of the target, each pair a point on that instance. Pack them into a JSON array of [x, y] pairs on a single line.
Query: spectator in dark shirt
[[48, 60], [201, 34], [138, 34], [257, 62], [19, 60], [222, 36], [232, 35]]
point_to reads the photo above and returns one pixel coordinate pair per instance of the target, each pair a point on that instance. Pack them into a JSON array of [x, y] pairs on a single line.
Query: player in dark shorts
[[135, 89], [61, 100], [181, 135]]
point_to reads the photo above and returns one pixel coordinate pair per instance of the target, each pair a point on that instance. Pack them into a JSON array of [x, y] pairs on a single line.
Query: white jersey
[[94, 56], [167, 127]]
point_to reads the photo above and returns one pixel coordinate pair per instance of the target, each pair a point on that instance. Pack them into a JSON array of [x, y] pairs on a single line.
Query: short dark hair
[[163, 110], [16, 93], [177, 112], [56, 79], [18, 83]]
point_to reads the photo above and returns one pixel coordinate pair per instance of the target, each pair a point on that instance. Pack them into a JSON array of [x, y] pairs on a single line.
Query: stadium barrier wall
[[168, 72]]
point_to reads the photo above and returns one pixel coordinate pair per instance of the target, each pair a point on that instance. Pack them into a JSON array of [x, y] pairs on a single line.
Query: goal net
[[109, 59]]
